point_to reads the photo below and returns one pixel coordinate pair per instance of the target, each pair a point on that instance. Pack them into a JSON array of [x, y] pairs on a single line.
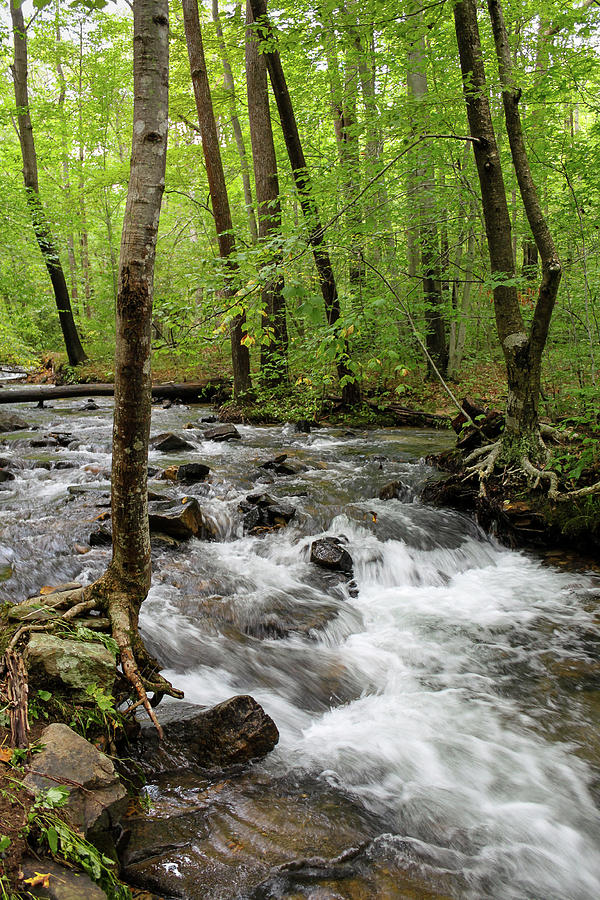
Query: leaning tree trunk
[[125, 584], [75, 351], [240, 356], [302, 180], [274, 350]]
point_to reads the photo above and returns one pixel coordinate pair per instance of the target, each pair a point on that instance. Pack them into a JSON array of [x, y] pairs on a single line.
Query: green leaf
[[52, 836], [4, 843], [44, 695]]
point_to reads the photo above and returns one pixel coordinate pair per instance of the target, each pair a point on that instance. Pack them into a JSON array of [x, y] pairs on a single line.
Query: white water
[[430, 697]]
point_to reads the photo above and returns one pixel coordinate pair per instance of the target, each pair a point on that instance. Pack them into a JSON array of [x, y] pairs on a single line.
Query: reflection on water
[[442, 722]]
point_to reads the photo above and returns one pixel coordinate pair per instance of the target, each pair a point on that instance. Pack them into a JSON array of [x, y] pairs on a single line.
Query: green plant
[[102, 715]]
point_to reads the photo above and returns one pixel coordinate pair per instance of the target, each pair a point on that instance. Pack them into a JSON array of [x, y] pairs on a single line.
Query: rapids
[[444, 720]]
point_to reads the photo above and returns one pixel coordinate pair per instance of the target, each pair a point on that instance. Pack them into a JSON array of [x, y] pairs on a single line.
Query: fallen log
[[411, 418], [188, 392]]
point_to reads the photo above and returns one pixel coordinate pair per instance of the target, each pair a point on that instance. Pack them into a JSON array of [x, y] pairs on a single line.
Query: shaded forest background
[[378, 97]]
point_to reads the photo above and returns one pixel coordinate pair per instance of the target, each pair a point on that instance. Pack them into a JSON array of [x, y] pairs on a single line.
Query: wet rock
[[235, 731], [279, 466], [12, 422], [167, 404], [328, 553], [304, 426], [5, 461], [64, 884], [209, 420], [262, 512], [395, 490], [64, 464], [181, 519], [97, 799], [69, 664], [63, 438], [101, 537], [6, 475], [167, 442], [90, 405], [46, 441], [226, 432], [189, 473]]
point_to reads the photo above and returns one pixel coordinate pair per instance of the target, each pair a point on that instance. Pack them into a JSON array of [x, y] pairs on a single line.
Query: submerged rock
[[12, 422], [70, 664], [235, 731], [97, 799], [167, 442]]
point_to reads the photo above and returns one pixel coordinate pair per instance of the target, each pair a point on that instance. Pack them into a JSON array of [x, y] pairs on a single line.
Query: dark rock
[[167, 442], [90, 404], [181, 519], [304, 426], [102, 537], [190, 473], [226, 432], [71, 664], [6, 475], [395, 490], [263, 512], [167, 404], [209, 420], [64, 884], [5, 461], [235, 731], [328, 553], [278, 465], [11, 422], [97, 799], [46, 441], [63, 438], [64, 464]]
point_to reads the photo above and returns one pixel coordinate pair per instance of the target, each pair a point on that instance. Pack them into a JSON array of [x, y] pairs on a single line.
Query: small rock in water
[[190, 473], [328, 553], [81, 549], [181, 519], [11, 422], [102, 537], [167, 404], [395, 490], [263, 513], [167, 442], [225, 432], [279, 466], [209, 420], [304, 426], [5, 475], [90, 404]]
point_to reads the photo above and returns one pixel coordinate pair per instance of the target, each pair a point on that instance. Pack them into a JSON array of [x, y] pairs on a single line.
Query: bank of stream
[[438, 715]]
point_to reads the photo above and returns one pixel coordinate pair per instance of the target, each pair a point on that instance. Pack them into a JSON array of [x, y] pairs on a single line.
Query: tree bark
[[303, 182], [189, 392], [49, 250], [235, 123], [274, 350], [240, 355]]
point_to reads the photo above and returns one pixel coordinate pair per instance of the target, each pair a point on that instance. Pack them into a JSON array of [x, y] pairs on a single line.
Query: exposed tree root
[[582, 492], [481, 451], [539, 475]]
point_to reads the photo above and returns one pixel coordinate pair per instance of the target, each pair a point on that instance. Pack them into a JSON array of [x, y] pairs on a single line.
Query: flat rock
[[226, 432], [235, 731], [167, 442], [97, 800], [64, 884], [180, 519], [72, 664], [12, 422]]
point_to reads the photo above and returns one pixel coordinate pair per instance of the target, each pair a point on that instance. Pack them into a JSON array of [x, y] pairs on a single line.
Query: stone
[[6, 475], [190, 473], [97, 800], [167, 442], [263, 512], [12, 422], [235, 731], [90, 404], [304, 426], [395, 490], [226, 432], [180, 519], [73, 665], [279, 466], [101, 537], [64, 884], [328, 553]]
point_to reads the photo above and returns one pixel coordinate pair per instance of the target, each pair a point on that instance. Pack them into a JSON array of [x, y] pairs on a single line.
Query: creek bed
[[439, 723]]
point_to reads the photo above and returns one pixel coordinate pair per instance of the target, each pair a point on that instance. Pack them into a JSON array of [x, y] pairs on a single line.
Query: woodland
[[357, 211]]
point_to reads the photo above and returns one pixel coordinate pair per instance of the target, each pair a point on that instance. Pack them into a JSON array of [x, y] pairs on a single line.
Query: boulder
[[97, 799], [6, 475], [279, 466], [11, 422], [167, 442], [69, 664], [262, 512], [63, 884], [180, 519], [328, 553], [226, 432], [189, 473], [395, 490], [235, 731], [101, 537]]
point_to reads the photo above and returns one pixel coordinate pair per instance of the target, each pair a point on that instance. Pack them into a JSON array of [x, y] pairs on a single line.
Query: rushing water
[[444, 719]]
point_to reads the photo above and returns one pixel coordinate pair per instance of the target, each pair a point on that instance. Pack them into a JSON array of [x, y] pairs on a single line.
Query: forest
[[345, 259]]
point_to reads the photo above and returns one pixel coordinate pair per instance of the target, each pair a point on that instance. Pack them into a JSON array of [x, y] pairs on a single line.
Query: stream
[[441, 718]]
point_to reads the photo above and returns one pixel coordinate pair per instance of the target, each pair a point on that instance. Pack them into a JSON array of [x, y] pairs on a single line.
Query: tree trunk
[[235, 123], [302, 180], [125, 584], [75, 351], [274, 349], [65, 165], [240, 356]]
